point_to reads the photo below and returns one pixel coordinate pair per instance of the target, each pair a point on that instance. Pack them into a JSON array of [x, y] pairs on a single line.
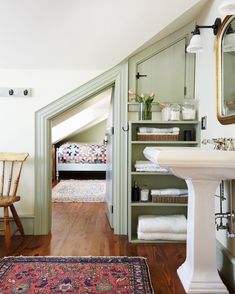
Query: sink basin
[[194, 162], [203, 171]]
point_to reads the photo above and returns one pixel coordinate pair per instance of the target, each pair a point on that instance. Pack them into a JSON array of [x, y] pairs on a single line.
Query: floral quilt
[[81, 153]]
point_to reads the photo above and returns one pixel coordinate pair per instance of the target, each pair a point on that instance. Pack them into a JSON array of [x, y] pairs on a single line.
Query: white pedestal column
[[198, 273]]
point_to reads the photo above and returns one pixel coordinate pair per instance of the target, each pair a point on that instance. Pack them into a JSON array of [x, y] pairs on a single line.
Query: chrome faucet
[[227, 144]]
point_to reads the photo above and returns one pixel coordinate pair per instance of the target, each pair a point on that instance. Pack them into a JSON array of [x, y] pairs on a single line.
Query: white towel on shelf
[[169, 192], [158, 130], [158, 133], [161, 236], [146, 169], [149, 166], [175, 224]]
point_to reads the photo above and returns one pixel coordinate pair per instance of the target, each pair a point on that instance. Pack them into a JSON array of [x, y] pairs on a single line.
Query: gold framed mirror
[[225, 71]]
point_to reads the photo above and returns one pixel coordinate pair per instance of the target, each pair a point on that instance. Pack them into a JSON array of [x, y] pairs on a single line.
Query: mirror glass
[[226, 71]]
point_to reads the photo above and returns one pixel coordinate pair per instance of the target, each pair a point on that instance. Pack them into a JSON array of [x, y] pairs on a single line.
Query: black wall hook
[[11, 92], [127, 129], [26, 92]]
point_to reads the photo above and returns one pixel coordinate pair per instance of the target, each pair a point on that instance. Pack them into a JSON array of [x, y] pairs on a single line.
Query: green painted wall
[[94, 134]]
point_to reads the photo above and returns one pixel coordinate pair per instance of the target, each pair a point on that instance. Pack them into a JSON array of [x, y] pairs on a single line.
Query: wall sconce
[[227, 7], [195, 44]]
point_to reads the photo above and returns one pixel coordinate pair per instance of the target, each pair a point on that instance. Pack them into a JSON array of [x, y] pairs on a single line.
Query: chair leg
[[7, 230], [17, 219]]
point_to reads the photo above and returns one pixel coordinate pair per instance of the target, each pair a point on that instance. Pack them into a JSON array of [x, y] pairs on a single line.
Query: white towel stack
[[162, 227], [169, 192], [159, 131], [149, 166]]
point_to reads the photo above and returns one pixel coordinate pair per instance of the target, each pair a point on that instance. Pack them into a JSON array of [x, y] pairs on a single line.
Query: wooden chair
[[10, 170]]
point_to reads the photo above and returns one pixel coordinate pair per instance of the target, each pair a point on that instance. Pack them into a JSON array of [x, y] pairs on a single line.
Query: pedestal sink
[[203, 170]]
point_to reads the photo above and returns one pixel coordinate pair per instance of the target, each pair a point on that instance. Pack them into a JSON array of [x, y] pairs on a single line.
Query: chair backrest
[[10, 170]]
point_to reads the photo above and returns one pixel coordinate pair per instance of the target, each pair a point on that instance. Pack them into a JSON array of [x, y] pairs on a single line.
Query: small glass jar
[[166, 113], [189, 109], [175, 112], [144, 194]]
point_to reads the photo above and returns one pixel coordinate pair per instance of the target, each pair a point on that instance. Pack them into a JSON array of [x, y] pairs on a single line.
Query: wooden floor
[[81, 229]]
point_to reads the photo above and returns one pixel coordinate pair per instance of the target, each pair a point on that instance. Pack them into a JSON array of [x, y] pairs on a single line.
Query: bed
[[80, 157]]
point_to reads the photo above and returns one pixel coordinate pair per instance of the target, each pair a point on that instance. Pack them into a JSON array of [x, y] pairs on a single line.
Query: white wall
[[56, 46], [82, 34], [206, 90], [17, 116]]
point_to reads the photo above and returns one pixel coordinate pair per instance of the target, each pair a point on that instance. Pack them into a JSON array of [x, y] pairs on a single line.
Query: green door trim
[[117, 77]]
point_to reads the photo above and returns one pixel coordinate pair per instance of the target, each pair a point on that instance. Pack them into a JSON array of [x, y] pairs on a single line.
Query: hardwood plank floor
[[82, 229]]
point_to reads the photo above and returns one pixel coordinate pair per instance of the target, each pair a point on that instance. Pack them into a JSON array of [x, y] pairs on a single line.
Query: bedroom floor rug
[[79, 191], [94, 275]]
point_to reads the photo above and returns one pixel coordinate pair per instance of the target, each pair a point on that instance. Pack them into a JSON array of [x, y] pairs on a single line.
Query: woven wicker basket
[[155, 137], [169, 199]]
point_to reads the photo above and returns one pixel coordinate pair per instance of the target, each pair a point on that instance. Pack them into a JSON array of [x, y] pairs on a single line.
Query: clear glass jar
[[175, 112], [166, 112], [189, 109], [144, 193]]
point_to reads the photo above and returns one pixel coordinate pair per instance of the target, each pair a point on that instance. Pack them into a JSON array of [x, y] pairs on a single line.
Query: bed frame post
[[57, 171]]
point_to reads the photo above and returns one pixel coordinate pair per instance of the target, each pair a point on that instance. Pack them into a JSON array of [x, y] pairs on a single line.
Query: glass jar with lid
[[175, 112], [189, 109]]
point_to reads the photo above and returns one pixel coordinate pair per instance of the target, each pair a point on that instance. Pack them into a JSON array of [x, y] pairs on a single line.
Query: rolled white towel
[[162, 224], [161, 236], [159, 130], [170, 192]]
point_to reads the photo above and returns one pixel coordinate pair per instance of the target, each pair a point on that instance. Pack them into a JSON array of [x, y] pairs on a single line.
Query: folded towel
[[145, 163], [159, 133], [169, 192], [159, 130], [149, 166], [161, 236], [162, 224], [157, 169]]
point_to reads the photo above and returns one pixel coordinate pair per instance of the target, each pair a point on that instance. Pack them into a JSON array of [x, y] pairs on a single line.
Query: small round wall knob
[[11, 92], [26, 92]]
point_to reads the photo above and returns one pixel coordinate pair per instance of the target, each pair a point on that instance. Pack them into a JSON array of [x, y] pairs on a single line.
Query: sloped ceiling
[[82, 117], [83, 34]]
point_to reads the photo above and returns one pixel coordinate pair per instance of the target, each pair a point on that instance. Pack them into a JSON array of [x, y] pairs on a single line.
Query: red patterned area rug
[[119, 275]]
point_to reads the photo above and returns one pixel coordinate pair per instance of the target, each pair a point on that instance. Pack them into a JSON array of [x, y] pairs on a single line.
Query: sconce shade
[[195, 44], [227, 7]]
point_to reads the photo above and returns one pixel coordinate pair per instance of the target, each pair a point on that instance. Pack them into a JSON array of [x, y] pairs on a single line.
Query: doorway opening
[[117, 78], [82, 154]]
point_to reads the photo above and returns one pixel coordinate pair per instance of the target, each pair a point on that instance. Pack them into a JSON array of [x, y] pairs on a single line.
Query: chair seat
[[8, 200]]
